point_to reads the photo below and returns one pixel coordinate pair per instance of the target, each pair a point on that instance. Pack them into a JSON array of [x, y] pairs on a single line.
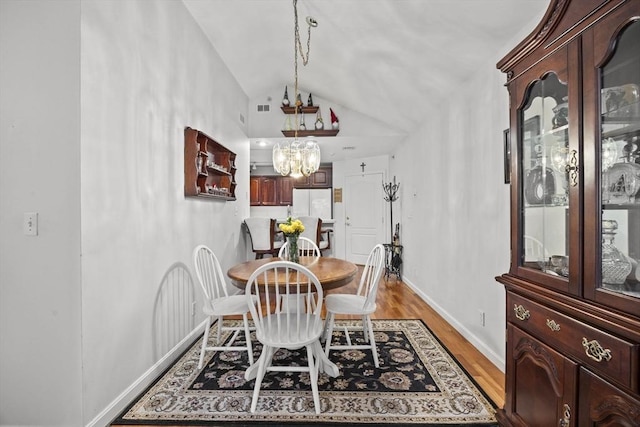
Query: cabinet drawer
[[602, 352]]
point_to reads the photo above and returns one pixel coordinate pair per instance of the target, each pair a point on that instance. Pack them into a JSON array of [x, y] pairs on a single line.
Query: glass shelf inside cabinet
[[544, 138], [620, 165]]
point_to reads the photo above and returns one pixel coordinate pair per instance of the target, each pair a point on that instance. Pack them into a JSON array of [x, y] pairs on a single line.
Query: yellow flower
[[293, 227]]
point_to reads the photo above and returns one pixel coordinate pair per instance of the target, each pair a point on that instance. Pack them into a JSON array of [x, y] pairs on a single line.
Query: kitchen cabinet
[[263, 190], [285, 190], [209, 167], [322, 178], [275, 190], [271, 190], [573, 286]]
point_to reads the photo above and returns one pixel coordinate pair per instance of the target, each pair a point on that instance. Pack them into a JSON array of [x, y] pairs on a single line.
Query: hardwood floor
[[397, 301]]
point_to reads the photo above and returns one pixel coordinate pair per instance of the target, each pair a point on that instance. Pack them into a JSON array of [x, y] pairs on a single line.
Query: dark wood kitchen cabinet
[[285, 190], [322, 178], [275, 190], [263, 190], [271, 190], [573, 286]]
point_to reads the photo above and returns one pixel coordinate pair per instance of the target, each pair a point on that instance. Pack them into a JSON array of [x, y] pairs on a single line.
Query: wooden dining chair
[[262, 232], [362, 303], [313, 231], [218, 304], [271, 284]]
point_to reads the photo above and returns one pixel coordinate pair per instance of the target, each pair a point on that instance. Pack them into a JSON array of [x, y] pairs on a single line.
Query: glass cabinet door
[[544, 180], [619, 167]]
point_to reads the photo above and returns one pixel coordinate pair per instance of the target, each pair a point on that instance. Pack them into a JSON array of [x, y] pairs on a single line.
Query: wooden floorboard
[[396, 300]]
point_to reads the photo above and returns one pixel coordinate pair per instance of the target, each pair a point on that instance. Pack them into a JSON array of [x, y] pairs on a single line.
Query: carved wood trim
[[542, 358], [618, 408], [537, 37]]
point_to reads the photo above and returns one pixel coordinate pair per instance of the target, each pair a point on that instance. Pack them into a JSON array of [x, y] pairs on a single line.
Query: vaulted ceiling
[[380, 58]]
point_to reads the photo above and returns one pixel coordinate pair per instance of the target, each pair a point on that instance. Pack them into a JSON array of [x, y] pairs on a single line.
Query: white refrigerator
[[312, 202]]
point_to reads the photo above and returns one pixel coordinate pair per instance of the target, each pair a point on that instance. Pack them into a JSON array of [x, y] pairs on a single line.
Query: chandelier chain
[[298, 43], [297, 159], [298, 50]]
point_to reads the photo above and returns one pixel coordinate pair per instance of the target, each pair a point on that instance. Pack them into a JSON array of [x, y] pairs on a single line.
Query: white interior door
[[364, 215]]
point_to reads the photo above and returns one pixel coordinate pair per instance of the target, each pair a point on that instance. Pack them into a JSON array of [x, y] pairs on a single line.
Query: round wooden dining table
[[331, 272]]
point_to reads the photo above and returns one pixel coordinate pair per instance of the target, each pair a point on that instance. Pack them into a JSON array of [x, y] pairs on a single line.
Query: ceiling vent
[[263, 108], [349, 147]]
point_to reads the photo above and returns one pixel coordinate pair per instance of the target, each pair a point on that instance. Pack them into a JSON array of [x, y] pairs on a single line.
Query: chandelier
[[297, 158]]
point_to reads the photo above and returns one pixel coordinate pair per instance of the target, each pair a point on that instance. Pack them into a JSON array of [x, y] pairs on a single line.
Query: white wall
[[147, 72], [455, 210], [40, 290], [96, 98]]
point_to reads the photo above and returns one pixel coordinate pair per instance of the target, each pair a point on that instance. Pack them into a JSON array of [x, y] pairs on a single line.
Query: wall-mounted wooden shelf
[[302, 109], [305, 133], [209, 167]]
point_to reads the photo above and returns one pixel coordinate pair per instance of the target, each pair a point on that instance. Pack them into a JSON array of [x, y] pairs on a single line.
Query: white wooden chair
[[276, 328], [534, 251], [306, 247], [362, 303], [217, 304], [263, 233]]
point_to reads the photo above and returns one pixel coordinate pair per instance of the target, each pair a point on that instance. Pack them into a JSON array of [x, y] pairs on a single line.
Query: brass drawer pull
[[565, 421], [555, 327], [521, 312], [594, 350]]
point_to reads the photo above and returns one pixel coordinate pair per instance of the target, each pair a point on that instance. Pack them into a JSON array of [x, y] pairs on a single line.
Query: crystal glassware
[[615, 265], [621, 183]]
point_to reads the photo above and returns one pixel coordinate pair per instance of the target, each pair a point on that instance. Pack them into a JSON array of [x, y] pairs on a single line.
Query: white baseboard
[[496, 359], [125, 398]]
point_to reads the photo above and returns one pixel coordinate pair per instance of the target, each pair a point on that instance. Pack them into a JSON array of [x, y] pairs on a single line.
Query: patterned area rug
[[418, 382]]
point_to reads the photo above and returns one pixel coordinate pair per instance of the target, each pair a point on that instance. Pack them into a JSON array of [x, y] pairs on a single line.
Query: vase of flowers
[[291, 230]]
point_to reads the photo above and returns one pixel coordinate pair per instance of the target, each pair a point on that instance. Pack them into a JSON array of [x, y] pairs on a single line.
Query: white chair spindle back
[[210, 274], [291, 304], [371, 274], [286, 315]]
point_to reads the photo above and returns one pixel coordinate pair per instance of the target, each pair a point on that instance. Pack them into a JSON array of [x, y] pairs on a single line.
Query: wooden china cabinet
[[573, 287]]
